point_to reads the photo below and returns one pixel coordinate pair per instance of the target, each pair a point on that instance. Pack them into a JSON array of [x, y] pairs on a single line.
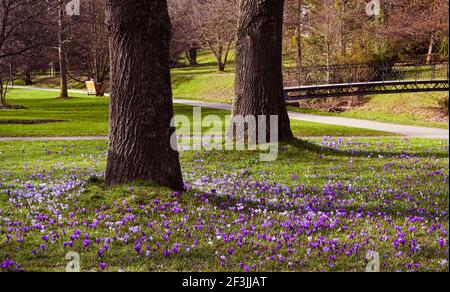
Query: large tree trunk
[[62, 51], [141, 96], [259, 78]]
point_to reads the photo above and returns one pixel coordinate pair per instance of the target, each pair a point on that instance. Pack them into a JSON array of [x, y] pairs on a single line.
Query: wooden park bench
[[94, 89], [90, 86]]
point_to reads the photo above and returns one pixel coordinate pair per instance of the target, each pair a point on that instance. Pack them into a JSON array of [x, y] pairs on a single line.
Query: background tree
[[20, 27], [259, 80], [141, 98], [185, 33], [28, 64], [416, 27], [216, 24], [62, 48], [88, 53], [296, 27]]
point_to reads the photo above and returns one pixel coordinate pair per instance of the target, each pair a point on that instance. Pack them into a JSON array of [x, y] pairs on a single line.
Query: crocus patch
[[326, 218]]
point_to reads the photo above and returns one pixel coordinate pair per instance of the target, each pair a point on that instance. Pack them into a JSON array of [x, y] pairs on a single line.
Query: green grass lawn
[[218, 87], [321, 206], [88, 116]]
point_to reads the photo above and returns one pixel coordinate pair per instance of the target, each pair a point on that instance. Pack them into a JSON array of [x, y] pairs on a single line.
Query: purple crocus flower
[[137, 247], [102, 266], [86, 243], [7, 264]]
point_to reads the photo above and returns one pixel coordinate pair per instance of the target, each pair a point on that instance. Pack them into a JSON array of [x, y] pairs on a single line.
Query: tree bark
[[141, 96], [62, 51], [259, 78]]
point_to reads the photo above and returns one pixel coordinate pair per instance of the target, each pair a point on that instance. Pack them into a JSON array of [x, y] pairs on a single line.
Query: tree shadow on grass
[[178, 80], [299, 145], [11, 107]]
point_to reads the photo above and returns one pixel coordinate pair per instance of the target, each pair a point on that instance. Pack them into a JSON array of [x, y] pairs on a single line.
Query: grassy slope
[[204, 82], [418, 109], [378, 171], [88, 116]]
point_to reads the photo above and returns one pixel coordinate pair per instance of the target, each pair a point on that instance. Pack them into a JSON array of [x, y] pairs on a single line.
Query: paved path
[[407, 131]]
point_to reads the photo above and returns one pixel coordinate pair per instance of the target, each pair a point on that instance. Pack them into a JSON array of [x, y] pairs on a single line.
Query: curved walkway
[[407, 131], [403, 130]]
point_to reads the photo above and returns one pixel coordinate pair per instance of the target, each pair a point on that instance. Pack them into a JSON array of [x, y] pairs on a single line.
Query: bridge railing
[[357, 73]]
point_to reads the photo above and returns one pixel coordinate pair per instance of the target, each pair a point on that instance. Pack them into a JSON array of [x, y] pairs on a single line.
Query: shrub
[[443, 103]]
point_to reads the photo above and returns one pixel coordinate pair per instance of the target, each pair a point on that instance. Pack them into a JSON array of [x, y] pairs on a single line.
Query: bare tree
[[141, 97], [185, 33], [216, 24], [417, 21], [19, 32], [296, 24], [27, 64], [62, 49], [88, 53]]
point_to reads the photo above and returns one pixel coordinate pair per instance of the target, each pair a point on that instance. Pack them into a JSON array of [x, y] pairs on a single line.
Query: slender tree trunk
[[259, 78], [430, 50], [2, 93], [62, 52], [141, 96], [343, 28], [28, 78], [343, 41], [328, 61], [221, 66], [11, 72], [192, 56], [299, 34]]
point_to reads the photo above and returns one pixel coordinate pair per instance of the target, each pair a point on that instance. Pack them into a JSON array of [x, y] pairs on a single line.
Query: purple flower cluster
[[246, 221]]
